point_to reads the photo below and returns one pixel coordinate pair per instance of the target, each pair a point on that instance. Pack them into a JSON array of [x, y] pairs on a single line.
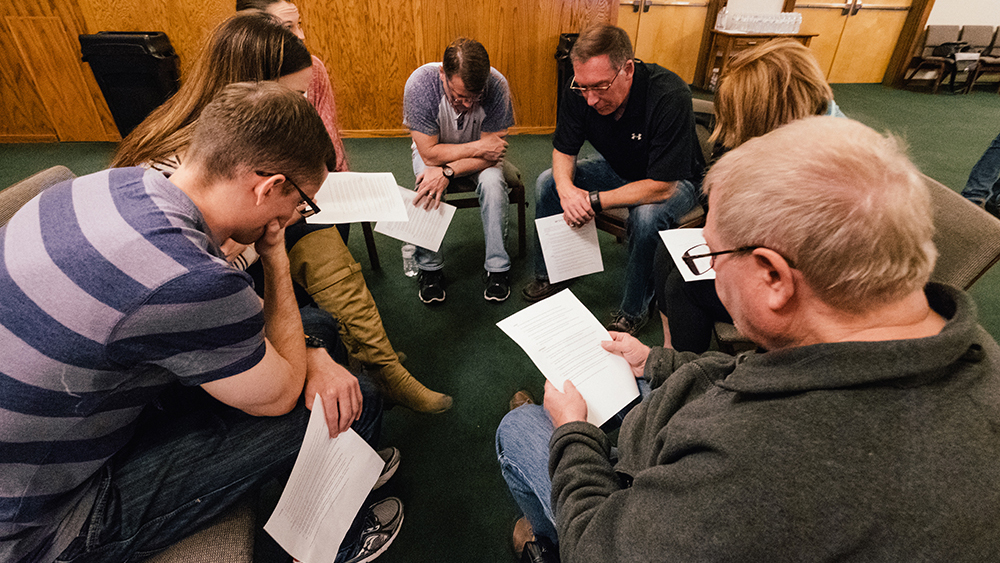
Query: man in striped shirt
[[114, 290]]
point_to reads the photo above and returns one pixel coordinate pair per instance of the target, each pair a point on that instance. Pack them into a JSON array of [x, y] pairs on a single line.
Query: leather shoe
[[520, 398], [522, 535], [540, 289]]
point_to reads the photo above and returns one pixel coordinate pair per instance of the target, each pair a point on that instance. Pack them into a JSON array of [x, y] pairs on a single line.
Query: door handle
[[857, 7], [635, 5], [646, 5], [848, 8]]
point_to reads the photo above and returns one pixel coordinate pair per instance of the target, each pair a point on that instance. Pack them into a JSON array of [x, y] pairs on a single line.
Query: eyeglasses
[[701, 259], [582, 90], [468, 100], [307, 207]]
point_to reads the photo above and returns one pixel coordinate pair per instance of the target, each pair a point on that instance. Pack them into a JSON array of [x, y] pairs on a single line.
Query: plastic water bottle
[[409, 260]]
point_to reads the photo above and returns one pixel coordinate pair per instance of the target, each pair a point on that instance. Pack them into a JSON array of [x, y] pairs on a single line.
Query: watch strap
[[595, 201]]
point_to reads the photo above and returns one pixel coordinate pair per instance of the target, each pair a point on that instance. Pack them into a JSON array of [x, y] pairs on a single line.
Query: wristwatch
[[447, 172], [314, 342], [595, 201]]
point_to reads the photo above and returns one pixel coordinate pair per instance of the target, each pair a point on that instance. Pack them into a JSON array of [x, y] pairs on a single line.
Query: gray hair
[[839, 200]]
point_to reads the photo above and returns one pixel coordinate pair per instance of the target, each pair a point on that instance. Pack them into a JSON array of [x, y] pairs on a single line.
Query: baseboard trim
[[28, 138]]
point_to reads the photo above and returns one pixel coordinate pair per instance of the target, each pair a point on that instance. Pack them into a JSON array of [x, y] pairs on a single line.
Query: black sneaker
[[497, 286], [630, 325], [391, 458], [431, 286], [382, 525]]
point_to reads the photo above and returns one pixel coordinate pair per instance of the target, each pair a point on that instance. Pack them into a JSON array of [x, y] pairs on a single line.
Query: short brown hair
[[261, 126], [602, 39], [469, 59], [765, 87]]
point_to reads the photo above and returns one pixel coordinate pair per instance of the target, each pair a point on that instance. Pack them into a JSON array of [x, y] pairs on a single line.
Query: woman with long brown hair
[[254, 46]]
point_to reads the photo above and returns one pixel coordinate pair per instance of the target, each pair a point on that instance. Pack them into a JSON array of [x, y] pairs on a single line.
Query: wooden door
[[666, 32], [855, 38]]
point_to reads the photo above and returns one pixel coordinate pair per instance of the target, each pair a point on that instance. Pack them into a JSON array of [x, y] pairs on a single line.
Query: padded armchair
[[934, 36], [967, 240], [613, 221], [12, 198], [988, 63]]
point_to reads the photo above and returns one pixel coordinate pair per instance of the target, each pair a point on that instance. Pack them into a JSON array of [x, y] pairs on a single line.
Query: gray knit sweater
[[859, 451]]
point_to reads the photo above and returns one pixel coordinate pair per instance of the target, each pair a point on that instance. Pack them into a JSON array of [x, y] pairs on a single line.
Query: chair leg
[[366, 228], [521, 229]]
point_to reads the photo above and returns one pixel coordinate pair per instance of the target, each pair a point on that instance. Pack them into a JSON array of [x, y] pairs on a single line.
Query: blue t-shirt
[[112, 288]]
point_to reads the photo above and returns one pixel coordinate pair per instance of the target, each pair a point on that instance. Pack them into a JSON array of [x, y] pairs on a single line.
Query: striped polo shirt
[[111, 288]]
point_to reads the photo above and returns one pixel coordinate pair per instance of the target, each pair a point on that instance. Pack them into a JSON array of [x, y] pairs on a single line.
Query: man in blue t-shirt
[[458, 112], [144, 388], [639, 118]]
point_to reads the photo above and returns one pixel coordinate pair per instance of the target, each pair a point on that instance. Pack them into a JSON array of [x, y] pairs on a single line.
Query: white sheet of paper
[[679, 241], [350, 197], [568, 252], [329, 483], [564, 339], [424, 228]]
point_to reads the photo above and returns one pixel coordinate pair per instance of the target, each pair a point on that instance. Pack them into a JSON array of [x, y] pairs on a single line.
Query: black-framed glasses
[[582, 90], [701, 259], [307, 207]]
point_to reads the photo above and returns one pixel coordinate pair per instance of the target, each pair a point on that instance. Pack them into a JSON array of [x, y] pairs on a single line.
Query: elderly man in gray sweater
[[868, 431]]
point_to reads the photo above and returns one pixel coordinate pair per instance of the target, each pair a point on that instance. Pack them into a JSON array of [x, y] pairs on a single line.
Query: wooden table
[[725, 44]]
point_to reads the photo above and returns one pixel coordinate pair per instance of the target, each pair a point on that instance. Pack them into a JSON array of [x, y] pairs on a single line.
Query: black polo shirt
[[655, 137]]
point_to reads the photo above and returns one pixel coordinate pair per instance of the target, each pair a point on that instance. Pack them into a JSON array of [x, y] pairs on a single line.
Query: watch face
[[447, 171]]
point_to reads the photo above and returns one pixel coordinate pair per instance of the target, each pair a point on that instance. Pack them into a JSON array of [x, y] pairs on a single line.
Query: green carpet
[[457, 507]]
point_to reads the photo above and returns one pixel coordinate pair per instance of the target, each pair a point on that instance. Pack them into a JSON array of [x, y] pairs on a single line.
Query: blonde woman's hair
[[841, 202], [765, 87], [251, 46]]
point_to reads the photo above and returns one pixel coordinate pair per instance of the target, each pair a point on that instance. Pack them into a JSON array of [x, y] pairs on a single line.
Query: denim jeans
[[494, 203], [642, 230], [522, 443], [983, 185], [193, 458]]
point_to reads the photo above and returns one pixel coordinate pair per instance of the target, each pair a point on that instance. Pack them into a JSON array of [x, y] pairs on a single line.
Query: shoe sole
[[392, 538], [432, 299], [497, 299]]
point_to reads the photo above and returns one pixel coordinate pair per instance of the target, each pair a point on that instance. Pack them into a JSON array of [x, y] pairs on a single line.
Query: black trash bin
[[564, 65], [136, 70]]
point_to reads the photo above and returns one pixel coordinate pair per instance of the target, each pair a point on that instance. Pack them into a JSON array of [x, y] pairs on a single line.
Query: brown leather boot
[[322, 264]]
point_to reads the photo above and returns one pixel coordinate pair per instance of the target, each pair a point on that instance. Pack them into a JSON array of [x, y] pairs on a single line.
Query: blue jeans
[[491, 187], [983, 185], [642, 230], [522, 444], [193, 458]]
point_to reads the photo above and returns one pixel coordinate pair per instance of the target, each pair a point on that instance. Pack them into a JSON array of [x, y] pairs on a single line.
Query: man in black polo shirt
[[638, 116]]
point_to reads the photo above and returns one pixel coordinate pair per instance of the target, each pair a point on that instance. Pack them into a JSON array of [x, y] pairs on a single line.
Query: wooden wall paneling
[[370, 50], [55, 69], [670, 35], [866, 46], [24, 117], [188, 24]]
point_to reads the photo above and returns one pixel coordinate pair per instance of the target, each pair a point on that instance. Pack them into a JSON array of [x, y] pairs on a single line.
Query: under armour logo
[[636, 136]]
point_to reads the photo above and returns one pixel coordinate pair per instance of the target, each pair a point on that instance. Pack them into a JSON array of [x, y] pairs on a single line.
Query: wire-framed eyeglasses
[[598, 89], [306, 207], [701, 259]]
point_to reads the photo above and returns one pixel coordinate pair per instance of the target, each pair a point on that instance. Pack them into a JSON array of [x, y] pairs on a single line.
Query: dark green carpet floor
[[457, 507]]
